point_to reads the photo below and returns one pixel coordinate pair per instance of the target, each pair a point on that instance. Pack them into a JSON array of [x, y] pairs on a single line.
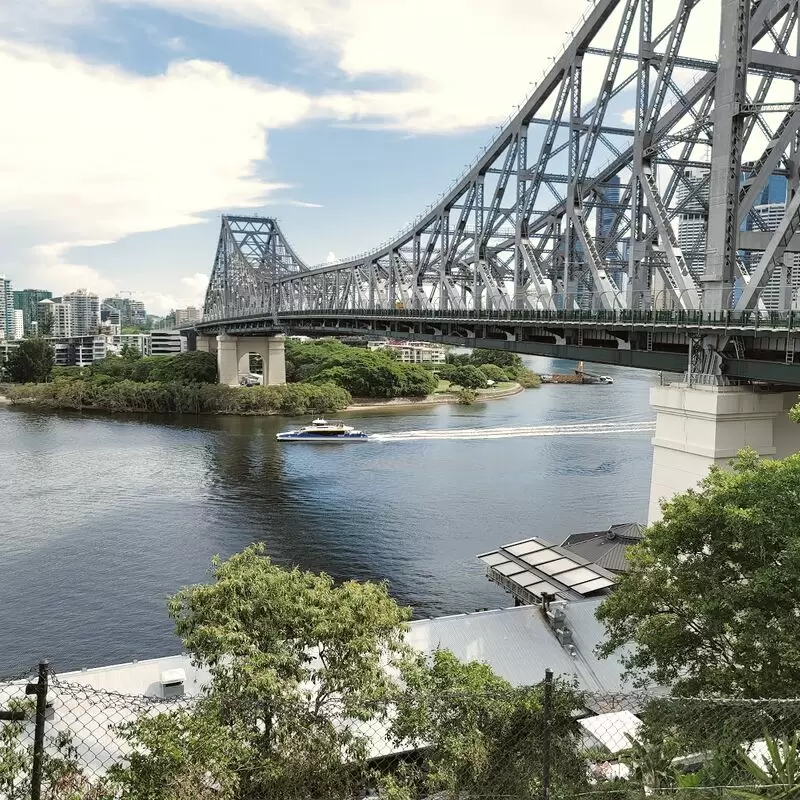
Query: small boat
[[322, 430]]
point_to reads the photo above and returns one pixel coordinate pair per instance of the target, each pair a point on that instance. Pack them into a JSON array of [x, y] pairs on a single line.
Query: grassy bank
[[177, 398]]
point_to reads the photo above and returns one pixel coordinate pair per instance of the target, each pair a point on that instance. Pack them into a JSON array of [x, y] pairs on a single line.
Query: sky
[[129, 126]]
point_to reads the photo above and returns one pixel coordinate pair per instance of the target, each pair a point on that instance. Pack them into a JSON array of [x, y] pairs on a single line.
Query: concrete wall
[[232, 361], [703, 425]]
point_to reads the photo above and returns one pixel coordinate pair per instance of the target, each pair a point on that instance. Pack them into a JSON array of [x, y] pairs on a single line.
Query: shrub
[[528, 379], [466, 397]]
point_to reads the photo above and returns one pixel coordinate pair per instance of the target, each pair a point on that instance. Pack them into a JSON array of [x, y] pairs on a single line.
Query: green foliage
[[114, 367], [494, 373], [30, 362], [710, 598], [458, 359], [363, 373], [191, 367], [466, 397], [104, 393], [291, 656], [527, 379], [778, 773], [468, 377], [482, 733], [504, 359], [130, 353]]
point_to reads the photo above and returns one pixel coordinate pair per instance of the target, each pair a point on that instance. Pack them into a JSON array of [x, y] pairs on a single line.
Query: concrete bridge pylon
[[233, 354]]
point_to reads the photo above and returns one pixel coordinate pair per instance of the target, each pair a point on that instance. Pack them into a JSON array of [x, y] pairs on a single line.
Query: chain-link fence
[[66, 740]]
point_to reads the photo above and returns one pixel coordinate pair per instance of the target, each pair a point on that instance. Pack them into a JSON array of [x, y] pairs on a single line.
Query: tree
[[292, 657], [129, 352], [484, 736], [468, 377], [493, 373], [30, 362], [114, 367], [504, 359], [457, 359], [417, 381], [710, 598]]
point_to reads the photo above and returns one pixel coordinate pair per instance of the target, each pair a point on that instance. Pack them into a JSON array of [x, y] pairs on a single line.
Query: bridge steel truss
[[575, 203]]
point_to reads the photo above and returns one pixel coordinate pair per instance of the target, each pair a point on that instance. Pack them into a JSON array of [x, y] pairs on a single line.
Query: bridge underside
[[751, 350]]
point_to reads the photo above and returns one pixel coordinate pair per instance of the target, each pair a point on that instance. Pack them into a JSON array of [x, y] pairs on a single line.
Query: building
[[412, 352], [138, 341], [79, 351], [693, 219], [55, 319], [607, 548], [187, 316], [133, 313], [167, 343], [533, 570], [6, 348], [18, 327], [6, 308], [84, 312], [27, 301]]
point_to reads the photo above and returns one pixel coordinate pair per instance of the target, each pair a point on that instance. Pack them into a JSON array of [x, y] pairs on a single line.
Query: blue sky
[[130, 125]]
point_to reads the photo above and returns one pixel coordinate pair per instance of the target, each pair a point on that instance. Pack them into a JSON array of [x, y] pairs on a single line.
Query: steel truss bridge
[[565, 237]]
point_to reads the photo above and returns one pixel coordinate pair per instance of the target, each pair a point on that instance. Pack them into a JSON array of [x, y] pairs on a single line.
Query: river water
[[102, 517]]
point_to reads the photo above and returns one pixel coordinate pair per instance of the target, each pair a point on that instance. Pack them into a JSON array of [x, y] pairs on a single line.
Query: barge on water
[[580, 376]]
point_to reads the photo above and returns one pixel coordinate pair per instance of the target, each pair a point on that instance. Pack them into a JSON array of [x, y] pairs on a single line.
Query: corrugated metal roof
[[606, 548], [519, 645]]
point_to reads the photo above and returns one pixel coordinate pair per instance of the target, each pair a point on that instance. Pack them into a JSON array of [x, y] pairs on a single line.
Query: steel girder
[[579, 200]]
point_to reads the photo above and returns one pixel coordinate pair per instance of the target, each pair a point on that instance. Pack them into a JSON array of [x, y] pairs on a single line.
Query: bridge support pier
[[206, 344], [697, 426], [233, 355]]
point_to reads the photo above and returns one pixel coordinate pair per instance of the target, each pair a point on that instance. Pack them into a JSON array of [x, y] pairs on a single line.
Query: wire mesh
[[544, 742]]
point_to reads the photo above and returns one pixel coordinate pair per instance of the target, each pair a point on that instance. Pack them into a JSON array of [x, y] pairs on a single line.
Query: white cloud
[[302, 204], [331, 257], [90, 154], [463, 63]]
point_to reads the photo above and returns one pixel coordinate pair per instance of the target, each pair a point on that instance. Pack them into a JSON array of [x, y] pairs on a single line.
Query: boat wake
[[577, 429]]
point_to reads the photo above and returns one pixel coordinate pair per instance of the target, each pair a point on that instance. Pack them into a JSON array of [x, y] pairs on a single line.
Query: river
[[102, 517]]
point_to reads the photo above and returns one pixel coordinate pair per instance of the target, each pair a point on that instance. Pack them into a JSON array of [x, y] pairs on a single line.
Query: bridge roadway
[[754, 347]]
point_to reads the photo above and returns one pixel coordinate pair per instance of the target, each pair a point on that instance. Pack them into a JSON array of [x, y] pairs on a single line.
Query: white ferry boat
[[322, 430]]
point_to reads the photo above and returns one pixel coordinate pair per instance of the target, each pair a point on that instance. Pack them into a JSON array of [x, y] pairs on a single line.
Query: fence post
[[548, 722], [40, 690]]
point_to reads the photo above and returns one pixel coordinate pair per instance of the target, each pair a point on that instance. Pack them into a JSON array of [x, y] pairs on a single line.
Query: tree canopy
[[305, 673], [30, 362], [468, 377], [710, 599], [363, 373]]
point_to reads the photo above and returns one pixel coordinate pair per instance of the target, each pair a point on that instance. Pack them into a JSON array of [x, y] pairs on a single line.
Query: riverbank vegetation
[[181, 398], [322, 377], [363, 373], [184, 383], [496, 365]]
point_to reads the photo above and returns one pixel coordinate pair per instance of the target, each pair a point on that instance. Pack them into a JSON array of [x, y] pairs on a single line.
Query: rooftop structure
[[606, 548], [532, 569]]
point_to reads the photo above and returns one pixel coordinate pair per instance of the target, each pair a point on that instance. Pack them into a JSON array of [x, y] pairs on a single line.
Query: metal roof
[[606, 548], [530, 568], [520, 643]]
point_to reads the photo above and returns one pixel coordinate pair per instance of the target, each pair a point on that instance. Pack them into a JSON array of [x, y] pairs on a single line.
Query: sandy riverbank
[[365, 404]]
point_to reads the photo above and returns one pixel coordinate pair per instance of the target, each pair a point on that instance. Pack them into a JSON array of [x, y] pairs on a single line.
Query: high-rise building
[[187, 316], [132, 312], [19, 325], [6, 308], [27, 301], [693, 219], [55, 319], [84, 312]]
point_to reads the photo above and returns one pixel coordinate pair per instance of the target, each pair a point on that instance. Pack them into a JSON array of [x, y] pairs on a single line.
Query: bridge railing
[[734, 319]]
